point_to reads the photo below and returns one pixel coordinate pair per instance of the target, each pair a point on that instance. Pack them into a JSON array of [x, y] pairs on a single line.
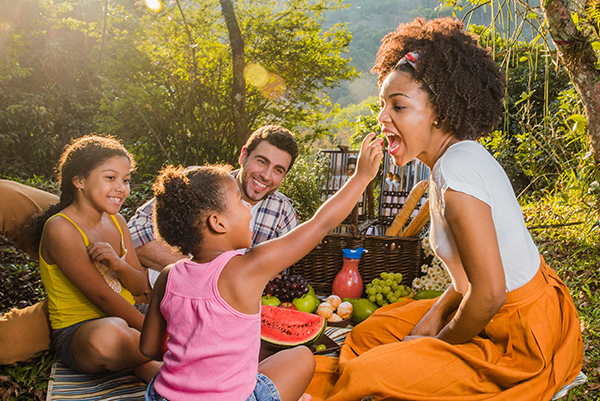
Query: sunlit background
[[271, 86], [154, 5]]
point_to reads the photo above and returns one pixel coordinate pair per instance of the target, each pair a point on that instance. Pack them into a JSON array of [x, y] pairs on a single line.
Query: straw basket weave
[[384, 254]]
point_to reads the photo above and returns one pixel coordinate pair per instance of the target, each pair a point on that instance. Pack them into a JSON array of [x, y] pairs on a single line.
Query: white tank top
[[468, 167]]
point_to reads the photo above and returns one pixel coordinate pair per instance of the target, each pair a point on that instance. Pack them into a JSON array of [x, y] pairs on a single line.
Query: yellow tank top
[[66, 304]]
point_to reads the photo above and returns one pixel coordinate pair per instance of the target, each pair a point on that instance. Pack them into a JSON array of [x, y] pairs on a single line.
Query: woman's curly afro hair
[[461, 77], [184, 199]]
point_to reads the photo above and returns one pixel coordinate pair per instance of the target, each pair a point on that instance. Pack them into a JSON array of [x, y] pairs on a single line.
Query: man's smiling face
[[262, 171]]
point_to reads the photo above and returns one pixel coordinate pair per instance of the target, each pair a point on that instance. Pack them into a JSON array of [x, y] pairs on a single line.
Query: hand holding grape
[[369, 158]]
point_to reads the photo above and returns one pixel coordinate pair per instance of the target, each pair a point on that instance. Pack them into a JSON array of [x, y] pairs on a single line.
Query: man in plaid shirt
[[264, 161]]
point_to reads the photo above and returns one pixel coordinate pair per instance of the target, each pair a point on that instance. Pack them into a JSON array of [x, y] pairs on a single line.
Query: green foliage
[[546, 156], [344, 123], [175, 103], [159, 82], [30, 378], [44, 89], [366, 125], [304, 184], [573, 252]]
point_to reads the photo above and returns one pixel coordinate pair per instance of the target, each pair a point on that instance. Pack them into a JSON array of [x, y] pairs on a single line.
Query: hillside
[[369, 21]]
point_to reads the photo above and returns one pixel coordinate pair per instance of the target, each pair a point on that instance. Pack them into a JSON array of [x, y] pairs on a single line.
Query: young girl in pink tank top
[[203, 321], [88, 265]]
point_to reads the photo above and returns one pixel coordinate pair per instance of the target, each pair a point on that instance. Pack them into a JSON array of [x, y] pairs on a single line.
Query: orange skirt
[[529, 350]]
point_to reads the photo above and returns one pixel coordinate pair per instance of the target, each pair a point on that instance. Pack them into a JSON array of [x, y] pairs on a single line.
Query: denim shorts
[[265, 390], [62, 340], [151, 394]]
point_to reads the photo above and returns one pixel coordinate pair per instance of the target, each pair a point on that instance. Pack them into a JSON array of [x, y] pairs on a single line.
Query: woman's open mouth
[[394, 143]]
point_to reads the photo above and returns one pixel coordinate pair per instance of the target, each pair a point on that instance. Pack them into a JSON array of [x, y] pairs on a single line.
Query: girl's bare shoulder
[[121, 220], [59, 226]]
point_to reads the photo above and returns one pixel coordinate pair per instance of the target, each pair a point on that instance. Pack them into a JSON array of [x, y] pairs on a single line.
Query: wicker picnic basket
[[384, 254]]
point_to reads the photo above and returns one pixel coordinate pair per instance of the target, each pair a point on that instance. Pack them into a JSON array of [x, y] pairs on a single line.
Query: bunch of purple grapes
[[286, 288]]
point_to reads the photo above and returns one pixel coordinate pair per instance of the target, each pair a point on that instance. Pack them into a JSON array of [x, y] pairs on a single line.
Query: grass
[[20, 286], [571, 250], [27, 380]]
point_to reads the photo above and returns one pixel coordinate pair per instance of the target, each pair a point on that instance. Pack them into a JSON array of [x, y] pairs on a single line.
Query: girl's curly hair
[[460, 77], [79, 159], [185, 197]]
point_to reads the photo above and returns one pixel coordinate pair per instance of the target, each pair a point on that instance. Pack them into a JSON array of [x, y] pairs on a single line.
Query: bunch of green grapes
[[388, 289]]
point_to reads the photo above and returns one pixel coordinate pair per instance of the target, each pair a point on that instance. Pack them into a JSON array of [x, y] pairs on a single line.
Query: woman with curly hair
[[507, 328]]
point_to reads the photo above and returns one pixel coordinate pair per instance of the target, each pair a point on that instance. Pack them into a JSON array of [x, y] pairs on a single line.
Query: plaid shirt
[[141, 225], [275, 217]]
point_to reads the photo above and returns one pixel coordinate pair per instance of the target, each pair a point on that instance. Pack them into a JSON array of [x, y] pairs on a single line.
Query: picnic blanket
[[68, 385]]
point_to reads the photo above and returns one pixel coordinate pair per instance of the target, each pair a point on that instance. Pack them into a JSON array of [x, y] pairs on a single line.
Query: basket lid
[[353, 253]]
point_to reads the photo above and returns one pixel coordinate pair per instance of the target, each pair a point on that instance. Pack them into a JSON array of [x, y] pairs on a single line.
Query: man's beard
[[246, 183]]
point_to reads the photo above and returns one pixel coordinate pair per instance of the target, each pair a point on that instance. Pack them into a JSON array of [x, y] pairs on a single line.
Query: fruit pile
[[291, 292], [334, 310], [286, 288], [387, 289]]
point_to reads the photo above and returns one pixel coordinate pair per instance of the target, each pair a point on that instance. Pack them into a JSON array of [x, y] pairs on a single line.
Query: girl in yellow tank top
[[88, 265]]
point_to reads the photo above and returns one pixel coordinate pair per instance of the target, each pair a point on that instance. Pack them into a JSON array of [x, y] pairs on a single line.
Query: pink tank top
[[212, 348]]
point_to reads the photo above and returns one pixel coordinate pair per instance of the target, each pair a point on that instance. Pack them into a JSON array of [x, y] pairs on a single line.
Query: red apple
[[287, 305]]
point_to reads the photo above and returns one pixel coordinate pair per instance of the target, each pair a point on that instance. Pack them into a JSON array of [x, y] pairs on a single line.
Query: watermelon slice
[[286, 328]]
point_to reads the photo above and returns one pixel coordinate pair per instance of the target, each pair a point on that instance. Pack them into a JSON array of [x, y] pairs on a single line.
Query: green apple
[[306, 303], [311, 292], [362, 308], [270, 300]]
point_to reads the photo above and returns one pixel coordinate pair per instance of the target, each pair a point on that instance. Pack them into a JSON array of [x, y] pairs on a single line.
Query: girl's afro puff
[[184, 199]]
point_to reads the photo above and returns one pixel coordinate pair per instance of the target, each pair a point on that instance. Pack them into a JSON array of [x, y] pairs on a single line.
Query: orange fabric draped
[[529, 350]]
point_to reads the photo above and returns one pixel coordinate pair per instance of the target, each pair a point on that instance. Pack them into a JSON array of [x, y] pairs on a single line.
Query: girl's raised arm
[[251, 272]]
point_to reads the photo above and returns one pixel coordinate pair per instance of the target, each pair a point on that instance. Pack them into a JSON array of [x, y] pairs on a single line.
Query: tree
[[569, 37], [577, 44], [289, 62], [238, 90], [160, 80], [45, 74]]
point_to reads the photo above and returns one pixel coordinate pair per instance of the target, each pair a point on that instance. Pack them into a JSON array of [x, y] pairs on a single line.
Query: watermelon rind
[[287, 328]]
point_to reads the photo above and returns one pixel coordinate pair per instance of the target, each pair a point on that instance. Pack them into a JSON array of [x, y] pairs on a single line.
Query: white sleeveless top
[[468, 167]]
